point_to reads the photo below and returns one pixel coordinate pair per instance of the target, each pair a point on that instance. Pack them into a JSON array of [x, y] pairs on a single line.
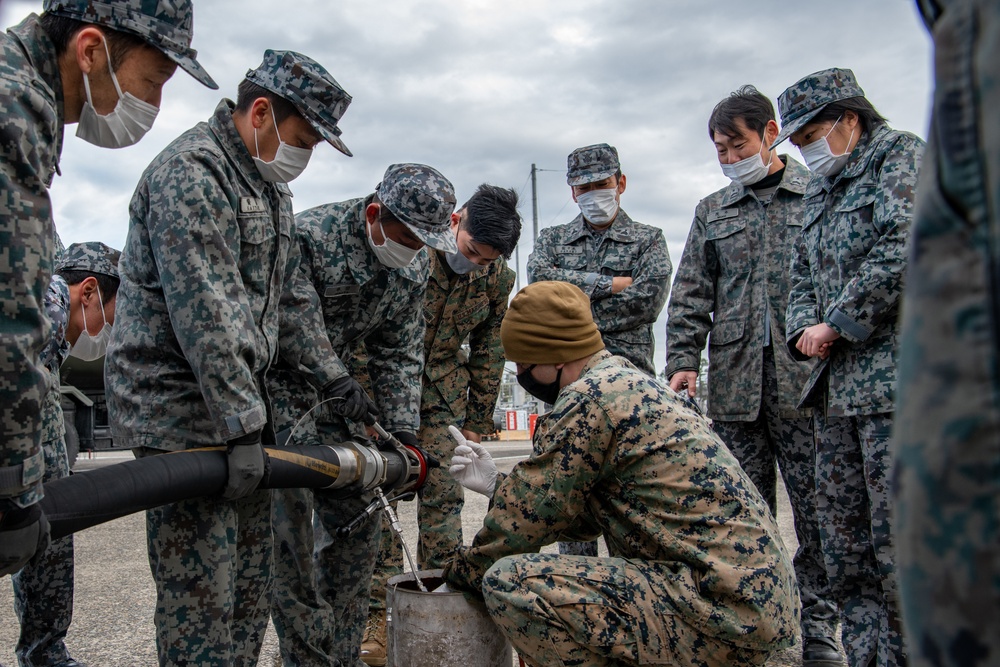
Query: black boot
[[820, 652]]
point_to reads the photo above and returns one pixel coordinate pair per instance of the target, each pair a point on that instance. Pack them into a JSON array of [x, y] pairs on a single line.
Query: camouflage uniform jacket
[[456, 308], [848, 271], [734, 274], [55, 353], [31, 136], [621, 453], [362, 303], [573, 253], [208, 256]]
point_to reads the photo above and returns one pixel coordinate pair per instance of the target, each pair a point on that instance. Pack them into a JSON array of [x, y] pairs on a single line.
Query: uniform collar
[[858, 162], [599, 357], [229, 139], [622, 229], [794, 180], [863, 152], [41, 54]]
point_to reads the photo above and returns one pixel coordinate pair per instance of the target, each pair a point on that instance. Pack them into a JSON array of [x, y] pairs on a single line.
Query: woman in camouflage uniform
[[847, 278]]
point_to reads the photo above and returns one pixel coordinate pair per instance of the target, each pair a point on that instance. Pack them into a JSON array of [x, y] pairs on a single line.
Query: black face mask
[[547, 393]]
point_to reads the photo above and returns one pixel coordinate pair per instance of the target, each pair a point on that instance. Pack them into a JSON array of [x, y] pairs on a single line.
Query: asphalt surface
[[113, 609]]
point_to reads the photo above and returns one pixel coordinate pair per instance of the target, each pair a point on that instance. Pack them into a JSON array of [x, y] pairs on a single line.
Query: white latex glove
[[472, 466]]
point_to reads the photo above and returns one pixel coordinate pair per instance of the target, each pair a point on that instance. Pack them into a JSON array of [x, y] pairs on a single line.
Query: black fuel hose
[[86, 499]]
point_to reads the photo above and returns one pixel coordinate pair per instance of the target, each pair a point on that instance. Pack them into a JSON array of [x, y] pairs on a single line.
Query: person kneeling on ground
[[697, 572]]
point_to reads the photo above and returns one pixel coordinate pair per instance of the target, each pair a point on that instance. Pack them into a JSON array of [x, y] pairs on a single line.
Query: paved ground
[[112, 625]]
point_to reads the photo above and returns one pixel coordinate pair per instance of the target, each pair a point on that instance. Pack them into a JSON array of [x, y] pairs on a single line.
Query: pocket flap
[[726, 332]]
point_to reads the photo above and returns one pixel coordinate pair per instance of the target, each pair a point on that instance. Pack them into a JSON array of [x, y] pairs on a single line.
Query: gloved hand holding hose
[[472, 466], [246, 465], [23, 533], [352, 401]]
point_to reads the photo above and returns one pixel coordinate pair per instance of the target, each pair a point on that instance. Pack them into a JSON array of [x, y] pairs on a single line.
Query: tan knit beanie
[[549, 322]]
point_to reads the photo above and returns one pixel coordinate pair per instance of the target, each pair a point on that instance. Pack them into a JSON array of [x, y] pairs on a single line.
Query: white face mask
[[92, 347], [461, 264], [130, 120], [390, 254], [748, 171], [288, 161], [819, 156], [599, 207]]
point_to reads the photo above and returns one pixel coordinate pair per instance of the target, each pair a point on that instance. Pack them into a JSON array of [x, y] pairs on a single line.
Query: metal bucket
[[439, 629]]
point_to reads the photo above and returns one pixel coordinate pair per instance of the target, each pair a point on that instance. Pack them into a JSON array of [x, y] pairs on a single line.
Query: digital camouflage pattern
[[211, 562], [423, 199], [456, 308], [576, 254], [166, 24], [800, 103], [457, 388], [312, 90], [197, 321], [90, 256], [853, 508], [361, 302], [31, 136], [947, 427], [591, 164], [733, 282], [43, 589], [697, 573], [848, 270], [773, 443], [197, 325]]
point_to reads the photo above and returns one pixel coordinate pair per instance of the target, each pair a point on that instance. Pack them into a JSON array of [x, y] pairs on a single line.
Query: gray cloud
[[481, 90]]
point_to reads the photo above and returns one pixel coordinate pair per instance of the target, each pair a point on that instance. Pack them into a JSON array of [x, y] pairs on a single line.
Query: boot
[[373, 645], [820, 652]]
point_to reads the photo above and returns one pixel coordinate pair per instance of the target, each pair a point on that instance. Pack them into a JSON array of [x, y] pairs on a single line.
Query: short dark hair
[[746, 103], [61, 30], [869, 117], [492, 218], [249, 91], [107, 284]]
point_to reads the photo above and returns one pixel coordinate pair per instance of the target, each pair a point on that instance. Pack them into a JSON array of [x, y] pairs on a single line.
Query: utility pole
[[534, 202]]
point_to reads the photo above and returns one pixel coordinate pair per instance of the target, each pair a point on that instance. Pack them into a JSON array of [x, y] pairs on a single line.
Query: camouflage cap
[[92, 257], [423, 200], [800, 103], [166, 24], [309, 87], [591, 164]]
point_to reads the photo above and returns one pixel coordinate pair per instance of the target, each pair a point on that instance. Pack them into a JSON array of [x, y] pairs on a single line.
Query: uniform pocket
[[472, 314], [724, 333], [570, 257], [729, 236]]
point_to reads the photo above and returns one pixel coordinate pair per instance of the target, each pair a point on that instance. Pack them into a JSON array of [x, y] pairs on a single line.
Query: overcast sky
[[481, 89]]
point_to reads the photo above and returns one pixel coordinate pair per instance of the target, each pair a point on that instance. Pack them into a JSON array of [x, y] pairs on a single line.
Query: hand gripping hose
[[348, 469]]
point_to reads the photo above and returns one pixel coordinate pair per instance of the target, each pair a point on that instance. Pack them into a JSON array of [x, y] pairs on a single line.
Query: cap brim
[[331, 138], [794, 126], [192, 67], [443, 241]]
